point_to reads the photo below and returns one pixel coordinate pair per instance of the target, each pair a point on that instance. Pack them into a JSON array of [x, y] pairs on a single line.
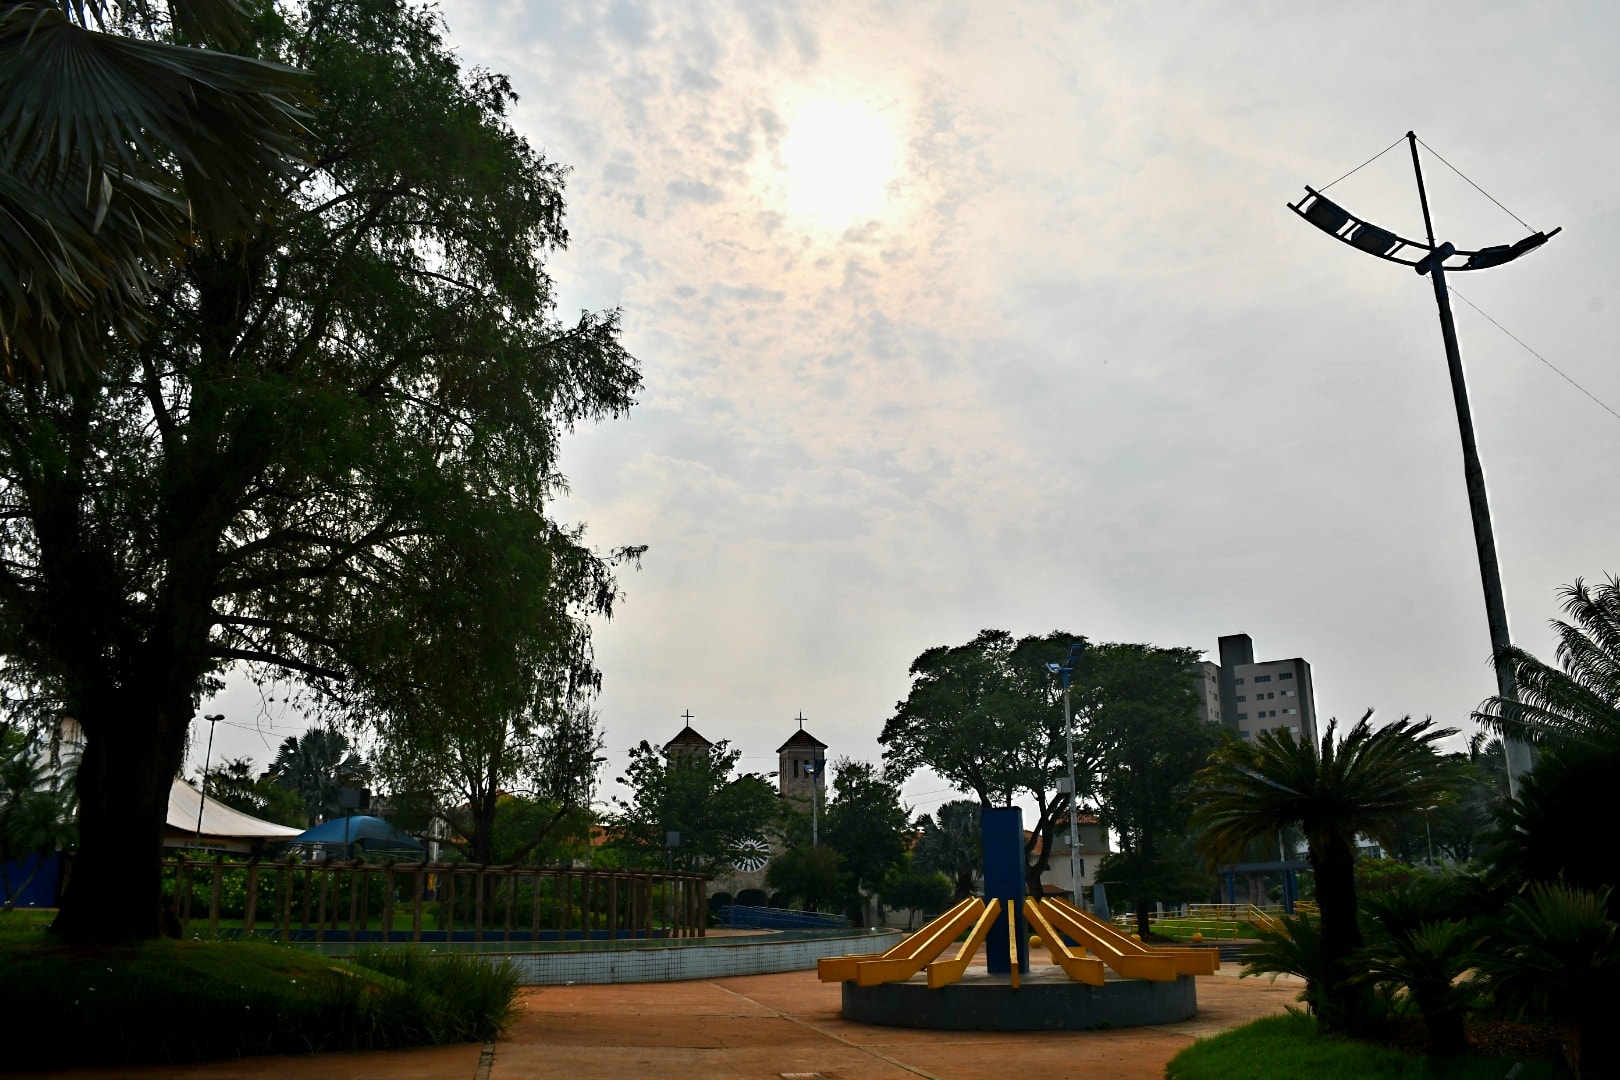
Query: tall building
[[1259, 696]]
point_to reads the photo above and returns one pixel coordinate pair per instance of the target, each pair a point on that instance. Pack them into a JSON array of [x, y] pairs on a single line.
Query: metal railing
[[356, 901], [746, 917]]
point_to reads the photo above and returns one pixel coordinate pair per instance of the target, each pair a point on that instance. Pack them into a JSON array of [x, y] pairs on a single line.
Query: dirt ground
[[779, 1027]]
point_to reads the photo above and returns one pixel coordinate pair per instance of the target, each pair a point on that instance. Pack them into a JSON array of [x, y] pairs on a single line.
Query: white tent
[[222, 827]]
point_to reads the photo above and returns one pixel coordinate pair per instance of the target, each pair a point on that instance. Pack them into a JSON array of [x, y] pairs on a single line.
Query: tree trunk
[[1335, 869], [131, 756], [1142, 924]]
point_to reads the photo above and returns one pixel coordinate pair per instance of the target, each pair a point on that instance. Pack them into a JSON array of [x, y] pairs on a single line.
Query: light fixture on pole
[[207, 760], [1428, 832], [1066, 670], [1433, 259]]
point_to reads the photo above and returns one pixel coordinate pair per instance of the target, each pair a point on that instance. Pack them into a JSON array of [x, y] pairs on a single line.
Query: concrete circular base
[[1047, 1000]]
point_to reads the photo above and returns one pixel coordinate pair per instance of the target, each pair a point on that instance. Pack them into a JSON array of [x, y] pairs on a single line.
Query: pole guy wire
[[1601, 404]]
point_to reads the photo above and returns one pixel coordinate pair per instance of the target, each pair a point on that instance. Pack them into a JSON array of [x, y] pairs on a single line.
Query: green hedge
[[171, 1001]]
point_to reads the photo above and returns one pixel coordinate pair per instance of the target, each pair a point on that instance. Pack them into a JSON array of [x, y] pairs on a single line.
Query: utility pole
[[207, 759], [1430, 258]]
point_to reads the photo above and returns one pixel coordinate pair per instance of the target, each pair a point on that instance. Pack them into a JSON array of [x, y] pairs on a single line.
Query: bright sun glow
[[838, 156]]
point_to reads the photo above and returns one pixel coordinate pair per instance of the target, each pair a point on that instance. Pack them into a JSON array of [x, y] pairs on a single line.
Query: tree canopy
[[337, 429], [692, 792], [987, 716], [868, 827]]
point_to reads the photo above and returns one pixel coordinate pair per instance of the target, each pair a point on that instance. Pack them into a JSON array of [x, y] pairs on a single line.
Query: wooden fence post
[[416, 906], [213, 896], [252, 898], [320, 911], [388, 901]]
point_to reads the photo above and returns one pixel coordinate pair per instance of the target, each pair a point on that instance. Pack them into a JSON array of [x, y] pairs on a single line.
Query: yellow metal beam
[[921, 948], [944, 972], [1132, 963], [842, 968], [1187, 961], [1083, 969]]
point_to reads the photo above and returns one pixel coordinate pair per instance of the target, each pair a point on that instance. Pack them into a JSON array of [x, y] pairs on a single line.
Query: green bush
[[170, 1001]]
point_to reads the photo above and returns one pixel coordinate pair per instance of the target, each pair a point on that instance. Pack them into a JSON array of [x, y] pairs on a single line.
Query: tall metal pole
[[1518, 755], [196, 841], [1074, 807]]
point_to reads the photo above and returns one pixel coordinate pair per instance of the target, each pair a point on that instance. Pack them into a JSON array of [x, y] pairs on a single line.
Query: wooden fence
[[355, 901]]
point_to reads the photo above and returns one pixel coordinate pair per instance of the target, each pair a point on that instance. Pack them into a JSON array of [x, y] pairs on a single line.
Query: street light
[[207, 758], [1431, 259], [1428, 832], [1066, 669]]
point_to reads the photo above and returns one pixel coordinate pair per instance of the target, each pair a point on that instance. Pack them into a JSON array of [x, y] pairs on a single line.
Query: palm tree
[[950, 845], [1578, 708], [318, 765], [1334, 792], [118, 151]]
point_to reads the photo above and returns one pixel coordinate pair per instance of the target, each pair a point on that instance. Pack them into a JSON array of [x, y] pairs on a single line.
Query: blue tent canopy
[[369, 832]]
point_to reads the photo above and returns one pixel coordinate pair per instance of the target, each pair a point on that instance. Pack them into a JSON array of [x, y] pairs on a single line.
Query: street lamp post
[[1428, 833], [1430, 258], [1066, 670], [207, 760]]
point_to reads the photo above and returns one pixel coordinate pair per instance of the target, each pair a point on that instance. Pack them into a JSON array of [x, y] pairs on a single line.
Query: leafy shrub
[[1556, 956], [169, 1001]]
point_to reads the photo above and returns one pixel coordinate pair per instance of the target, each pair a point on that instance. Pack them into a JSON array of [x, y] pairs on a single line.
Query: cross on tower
[[687, 716], [800, 719]]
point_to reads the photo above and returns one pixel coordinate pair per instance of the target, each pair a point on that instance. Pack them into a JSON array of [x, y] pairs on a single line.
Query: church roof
[[687, 737], [802, 738]]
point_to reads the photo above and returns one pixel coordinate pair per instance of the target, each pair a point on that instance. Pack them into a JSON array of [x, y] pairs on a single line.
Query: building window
[[1285, 675], [1238, 682], [1271, 695], [1262, 678], [1242, 698], [795, 768], [1287, 693], [1273, 712], [1243, 716]]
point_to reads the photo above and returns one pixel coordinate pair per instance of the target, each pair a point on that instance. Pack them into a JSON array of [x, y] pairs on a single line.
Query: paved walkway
[[764, 1026], [775, 1026]]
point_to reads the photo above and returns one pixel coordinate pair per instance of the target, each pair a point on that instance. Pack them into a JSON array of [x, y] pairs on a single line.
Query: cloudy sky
[[966, 315]]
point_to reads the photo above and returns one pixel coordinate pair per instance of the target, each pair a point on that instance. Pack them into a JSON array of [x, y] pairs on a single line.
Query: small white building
[[1058, 879]]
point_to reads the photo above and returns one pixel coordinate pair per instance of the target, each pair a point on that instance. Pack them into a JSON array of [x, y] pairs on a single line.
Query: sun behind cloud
[[837, 158]]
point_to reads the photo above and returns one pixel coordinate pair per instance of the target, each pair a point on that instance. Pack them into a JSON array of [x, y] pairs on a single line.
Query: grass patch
[[170, 1001], [1290, 1046]]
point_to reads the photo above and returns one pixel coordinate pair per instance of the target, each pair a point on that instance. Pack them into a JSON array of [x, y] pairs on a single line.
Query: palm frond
[[116, 152], [1578, 706]]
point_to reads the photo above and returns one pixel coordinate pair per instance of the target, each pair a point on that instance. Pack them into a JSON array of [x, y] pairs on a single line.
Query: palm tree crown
[[1334, 792], [1577, 708]]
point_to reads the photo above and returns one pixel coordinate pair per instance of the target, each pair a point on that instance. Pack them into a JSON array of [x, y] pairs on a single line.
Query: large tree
[[987, 716], [508, 784], [317, 766], [693, 792], [1143, 730], [1365, 784], [327, 421], [867, 826]]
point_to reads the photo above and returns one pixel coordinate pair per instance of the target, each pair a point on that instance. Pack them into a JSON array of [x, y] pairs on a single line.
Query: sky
[[968, 315]]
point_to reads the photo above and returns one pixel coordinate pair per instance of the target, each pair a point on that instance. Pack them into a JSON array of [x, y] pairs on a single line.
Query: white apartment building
[[1261, 696]]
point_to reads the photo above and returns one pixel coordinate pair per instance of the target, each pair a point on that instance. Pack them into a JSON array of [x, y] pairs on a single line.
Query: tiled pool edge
[[709, 961]]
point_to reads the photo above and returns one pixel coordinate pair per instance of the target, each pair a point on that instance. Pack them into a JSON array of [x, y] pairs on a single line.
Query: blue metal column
[[1001, 833]]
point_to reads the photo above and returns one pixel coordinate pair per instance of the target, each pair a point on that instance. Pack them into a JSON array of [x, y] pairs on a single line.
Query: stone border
[[672, 963], [1051, 1004]]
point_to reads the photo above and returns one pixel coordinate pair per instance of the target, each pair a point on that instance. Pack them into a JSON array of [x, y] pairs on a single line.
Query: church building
[[800, 776]]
